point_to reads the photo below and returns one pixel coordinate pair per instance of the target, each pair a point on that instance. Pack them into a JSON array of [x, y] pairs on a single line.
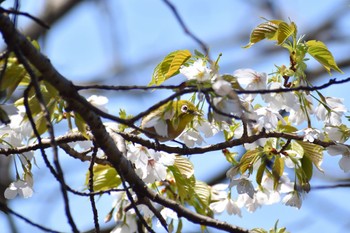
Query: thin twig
[[30, 222], [134, 206], [185, 28], [91, 189], [195, 88], [322, 187], [16, 12], [60, 176]]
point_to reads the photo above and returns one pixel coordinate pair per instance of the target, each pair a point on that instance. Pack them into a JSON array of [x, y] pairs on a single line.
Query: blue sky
[[122, 46]]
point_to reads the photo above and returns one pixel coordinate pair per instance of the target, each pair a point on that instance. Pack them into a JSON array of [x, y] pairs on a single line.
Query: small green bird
[[169, 120]]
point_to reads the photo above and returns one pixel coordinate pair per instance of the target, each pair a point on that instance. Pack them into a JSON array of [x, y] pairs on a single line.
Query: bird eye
[[184, 108]]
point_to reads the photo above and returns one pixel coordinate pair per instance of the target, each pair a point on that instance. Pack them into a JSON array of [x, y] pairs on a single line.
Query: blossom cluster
[[237, 115]]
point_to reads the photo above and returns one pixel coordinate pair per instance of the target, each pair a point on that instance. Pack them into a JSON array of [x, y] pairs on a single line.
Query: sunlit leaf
[[297, 148], [248, 159], [284, 32], [184, 183], [320, 52], [105, 177], [260, 173], [277, 170], [184, 165], [266, 30], [202, 190], [81, 124], [169, 67], [313, 152], [307, 167]]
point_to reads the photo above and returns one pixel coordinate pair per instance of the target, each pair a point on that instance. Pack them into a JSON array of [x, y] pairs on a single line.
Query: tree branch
[[79, 104]]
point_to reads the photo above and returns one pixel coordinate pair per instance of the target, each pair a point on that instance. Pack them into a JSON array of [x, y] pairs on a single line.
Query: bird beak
[[196, 113]]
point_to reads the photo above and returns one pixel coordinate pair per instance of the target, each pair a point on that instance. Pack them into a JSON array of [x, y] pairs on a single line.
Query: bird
[[169, 120]]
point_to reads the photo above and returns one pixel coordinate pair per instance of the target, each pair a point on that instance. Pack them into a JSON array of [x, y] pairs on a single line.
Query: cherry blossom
[[19, 187], [251, 80], [222, 87], [99, 102], [243, 185], [151, 166], [293, 199], [267, 119], [340, 149], [197, 71], [312, 134], [331, 113]]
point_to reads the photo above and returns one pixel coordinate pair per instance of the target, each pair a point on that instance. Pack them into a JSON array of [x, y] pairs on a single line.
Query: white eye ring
[[184, 108]]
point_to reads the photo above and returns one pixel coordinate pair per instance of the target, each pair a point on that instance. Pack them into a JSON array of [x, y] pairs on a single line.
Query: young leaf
[[284, 32], [306, 165], [203, 192], [313, 152], [248, 160], [266, 30], [105, 177], [297, 148], [277, 170], [81, 125], [169, 67], [320, 52], [184, 166], [260, 172]]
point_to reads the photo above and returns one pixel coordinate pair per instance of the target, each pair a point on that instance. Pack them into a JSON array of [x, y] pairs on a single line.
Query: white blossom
[[227, 204], [340, 149], [337, 133], [312, 134], [197, 71], [222, 87], [251, 204], [193, 135], [19, 187], [99, 102], [267, 119], [226, 107], [293, 199], [243, 185], [250, 80], [150, 165], [280, 101], [331, 116]]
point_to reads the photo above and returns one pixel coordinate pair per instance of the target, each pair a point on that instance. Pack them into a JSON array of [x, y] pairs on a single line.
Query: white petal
[[11, 192], [344, 163]]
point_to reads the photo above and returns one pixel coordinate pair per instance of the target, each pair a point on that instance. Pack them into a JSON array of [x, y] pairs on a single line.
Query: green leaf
[[313, 152], [169, 67], [12, 77], [320, 52], [297, 148], [184, 181], [307, 167], [105, 177], [248, 159], [285, 128], [260, 172], [284, 32], [258, 230], [184, 166], [266, 30], [277, 170], [202, 190], [81, 125]]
